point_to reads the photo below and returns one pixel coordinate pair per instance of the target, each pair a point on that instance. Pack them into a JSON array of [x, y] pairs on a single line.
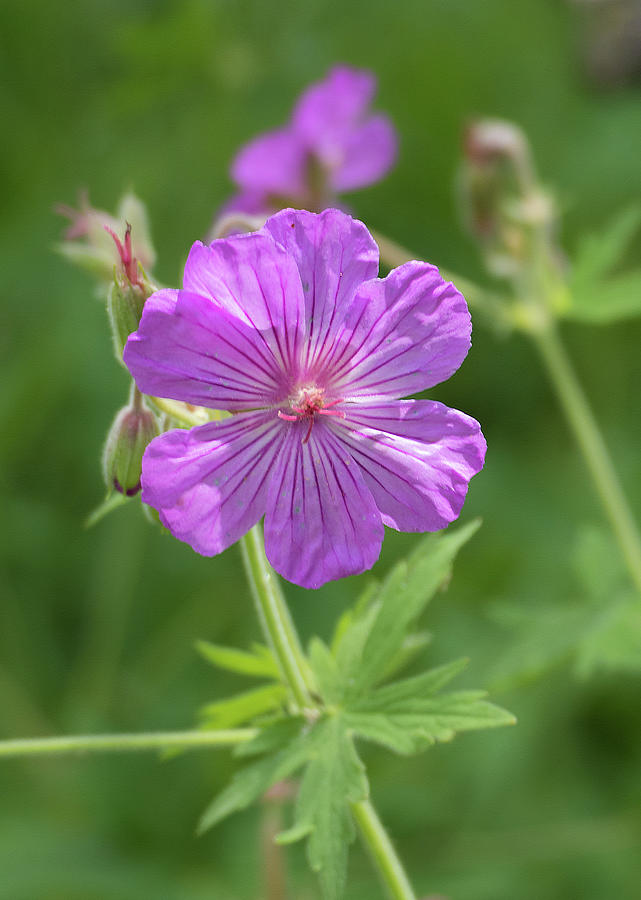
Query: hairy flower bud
[[503, 205], [89, 240], [132, 429], [124, 305]]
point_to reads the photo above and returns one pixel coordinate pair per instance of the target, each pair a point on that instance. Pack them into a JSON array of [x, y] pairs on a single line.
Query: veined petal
[[334, 255], [403, 334], [368, 153], [210, 484], [254, 279], [272, 164], [416, 457], [187, 348], [321, 521]]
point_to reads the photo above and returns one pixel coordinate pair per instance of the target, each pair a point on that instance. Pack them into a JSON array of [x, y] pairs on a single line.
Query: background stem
[[590, 440]]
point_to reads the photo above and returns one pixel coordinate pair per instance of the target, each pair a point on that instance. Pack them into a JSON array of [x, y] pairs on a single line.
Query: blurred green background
[[97, 627]]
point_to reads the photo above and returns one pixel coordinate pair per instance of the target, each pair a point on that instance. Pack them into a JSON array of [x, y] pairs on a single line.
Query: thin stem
[[382, 852], [590, 440], [117, 743], [280, 631], [274, 617]]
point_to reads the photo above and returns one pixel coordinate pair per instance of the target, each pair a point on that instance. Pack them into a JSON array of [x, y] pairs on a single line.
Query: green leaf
[[259, 664], [272, 736], [614, 640], [326, 671], [333, 779], [243, 707], [598, 253], [412, 690], [399, 602], [418, 724], [596, 295], [251, 782]]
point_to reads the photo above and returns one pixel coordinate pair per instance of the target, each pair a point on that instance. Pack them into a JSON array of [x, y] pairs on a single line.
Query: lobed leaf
[[250, 783], [243, 707], [399, 602], [259, 664], [334, 778]]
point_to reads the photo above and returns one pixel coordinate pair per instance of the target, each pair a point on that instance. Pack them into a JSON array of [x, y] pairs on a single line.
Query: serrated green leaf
[[596, 295], [409, 690], [409, 650], [611, 300], [599, 252], [417, 724], [250, 783], [401, 599], [333, 779], [325, 669], [243, 707], [259, 664], [273, 735]]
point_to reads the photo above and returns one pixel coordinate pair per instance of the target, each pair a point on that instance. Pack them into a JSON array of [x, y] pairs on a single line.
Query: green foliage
[[260, 663], [598, 294], [371, 641], [600, 630]]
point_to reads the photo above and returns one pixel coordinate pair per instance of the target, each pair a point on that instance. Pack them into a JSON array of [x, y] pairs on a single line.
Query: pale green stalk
[[110, 743], [382, 851], [590, 440], [281, 634]]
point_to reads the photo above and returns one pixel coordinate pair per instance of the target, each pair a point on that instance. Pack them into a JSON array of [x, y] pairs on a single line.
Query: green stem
[[275, 618], [382, 852], [280, 631], [110, 743], [590, 440]]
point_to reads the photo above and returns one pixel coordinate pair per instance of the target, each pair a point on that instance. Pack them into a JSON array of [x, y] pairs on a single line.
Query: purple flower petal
[[253, 278], [331, 106], [403, 334], [416, 457], [210, 484], [321, 521], [334, 255], [272, 164], [368, 152], [189, 349]]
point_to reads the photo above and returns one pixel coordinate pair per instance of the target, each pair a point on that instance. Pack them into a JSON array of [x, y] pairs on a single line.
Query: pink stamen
[[313, 404]]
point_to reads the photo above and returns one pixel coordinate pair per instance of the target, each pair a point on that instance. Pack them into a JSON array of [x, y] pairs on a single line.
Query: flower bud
[[133, 428], [89, 240], [124, 305], [503, 205]]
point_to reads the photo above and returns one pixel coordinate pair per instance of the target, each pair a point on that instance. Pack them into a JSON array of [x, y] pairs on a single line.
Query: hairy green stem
[[382, 851], [275, 618], [590, 440], [117, 743], [280, 631]]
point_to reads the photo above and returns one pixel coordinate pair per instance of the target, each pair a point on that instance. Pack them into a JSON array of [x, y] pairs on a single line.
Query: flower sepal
[[133, 428]]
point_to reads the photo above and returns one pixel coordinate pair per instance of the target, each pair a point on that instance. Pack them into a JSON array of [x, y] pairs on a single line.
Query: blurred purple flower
[[290, 329], [332, 144]]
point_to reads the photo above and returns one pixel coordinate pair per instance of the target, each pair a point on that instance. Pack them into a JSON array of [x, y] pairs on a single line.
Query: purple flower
[[290, 329], [332, 144]]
